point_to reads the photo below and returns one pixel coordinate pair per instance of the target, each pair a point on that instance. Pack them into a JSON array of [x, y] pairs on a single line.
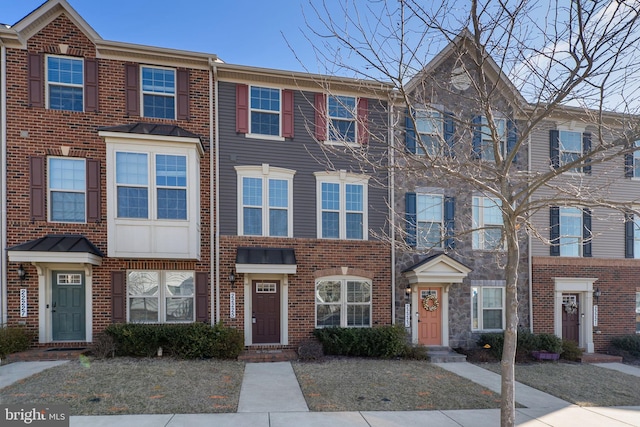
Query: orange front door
[[429, 321]]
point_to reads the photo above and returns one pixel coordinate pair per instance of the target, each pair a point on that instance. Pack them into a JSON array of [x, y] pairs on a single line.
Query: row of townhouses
[[145, 184]]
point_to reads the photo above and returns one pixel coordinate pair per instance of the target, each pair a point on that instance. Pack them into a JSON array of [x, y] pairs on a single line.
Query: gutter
[[530, 257], [3, 183]]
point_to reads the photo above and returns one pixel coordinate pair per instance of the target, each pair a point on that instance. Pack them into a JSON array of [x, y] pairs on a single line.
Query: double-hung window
[[342, 202], [65, 83], [342, 114], [160, 296], [343, 302], [487, 224], [487, 308], [570, 147], [571, 231], [430, 226], [487, 138], [635, 171], [159, 92], [67, 189], [429, 126], [265, 111], [265, 201], [167, 182]]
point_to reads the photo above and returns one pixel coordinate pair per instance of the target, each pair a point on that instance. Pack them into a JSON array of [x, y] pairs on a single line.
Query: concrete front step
[[444, 355], [274, 355]]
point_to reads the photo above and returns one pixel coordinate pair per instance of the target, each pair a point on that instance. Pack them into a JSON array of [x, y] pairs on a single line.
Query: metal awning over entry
[[266, 260], [62, 248]]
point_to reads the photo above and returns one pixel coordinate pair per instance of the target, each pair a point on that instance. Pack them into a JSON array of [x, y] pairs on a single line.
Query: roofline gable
[[45, 14]]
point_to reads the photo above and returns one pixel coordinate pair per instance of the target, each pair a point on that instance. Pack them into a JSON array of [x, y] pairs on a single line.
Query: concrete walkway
[[270, 397]]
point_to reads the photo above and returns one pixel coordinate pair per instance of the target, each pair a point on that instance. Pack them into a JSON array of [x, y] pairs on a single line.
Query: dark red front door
[[266, 311], [571, 317]]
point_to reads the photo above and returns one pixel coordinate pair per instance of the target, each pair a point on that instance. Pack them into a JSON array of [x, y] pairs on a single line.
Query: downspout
[[530, 257], [213, 189], [3, 183], [391, 145]]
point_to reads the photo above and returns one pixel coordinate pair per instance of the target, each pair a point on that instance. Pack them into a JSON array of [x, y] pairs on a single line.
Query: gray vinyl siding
[[302, 154], [607, 224]]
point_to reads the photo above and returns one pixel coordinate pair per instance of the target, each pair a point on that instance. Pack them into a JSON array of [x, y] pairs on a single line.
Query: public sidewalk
[[270, 397]]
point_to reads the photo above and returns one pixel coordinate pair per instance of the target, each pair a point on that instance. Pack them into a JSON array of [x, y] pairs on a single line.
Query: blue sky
[[248, 32]]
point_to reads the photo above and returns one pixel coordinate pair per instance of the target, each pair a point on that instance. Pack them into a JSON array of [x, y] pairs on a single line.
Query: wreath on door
[[434, 302]]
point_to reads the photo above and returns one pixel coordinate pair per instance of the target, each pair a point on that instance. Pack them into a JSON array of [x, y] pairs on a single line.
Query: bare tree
[[517, 64]]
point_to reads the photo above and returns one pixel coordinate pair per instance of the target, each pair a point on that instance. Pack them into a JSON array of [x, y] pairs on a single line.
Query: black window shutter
[[182, 94], [118, 296], [628, 165], [554, 148], [38, 188], [477, 137], [36, 80], [586, 233], [554, 230], [449, 132], [93, 191], [409, 133], [131, 87], [586, 149], [91, 85], [629, 231], [411, 218], [512, 138], [202, 296], [449, 221]]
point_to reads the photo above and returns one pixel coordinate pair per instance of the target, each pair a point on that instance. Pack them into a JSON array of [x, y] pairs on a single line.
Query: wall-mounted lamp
[[232, 278], [22, 273], [596, 294], [408, 290]]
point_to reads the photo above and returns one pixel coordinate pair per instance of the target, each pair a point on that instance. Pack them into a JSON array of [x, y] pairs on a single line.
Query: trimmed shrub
[[627, 343], [310, 350], [570, 351], [381, 341], [103, 346], [415, 352], [13, 339], [527, 342], [186, 341]]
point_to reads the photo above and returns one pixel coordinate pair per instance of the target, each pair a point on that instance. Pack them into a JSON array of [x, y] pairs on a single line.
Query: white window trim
[[342, 177], [343, 299], [439, 135], [484, 136], [153, 245], [636, 161], [252, 135], [478, 202], [264, 172], [480, 288], [49, 84], [50, 190], [328, 140], [162, 296], [575, 129], [174, 96], [441, 226], [580, 237]]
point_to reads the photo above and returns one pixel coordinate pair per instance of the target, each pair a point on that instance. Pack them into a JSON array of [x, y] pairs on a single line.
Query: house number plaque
[[23, 303], [232, 305], [407, 315]]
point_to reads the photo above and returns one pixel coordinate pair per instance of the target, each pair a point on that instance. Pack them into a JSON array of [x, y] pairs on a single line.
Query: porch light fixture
[[596, 294], [232, 278], [408, 290], [22, 273]]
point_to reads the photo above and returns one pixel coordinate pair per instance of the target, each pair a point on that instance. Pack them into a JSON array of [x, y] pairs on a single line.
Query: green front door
[[68, 306]]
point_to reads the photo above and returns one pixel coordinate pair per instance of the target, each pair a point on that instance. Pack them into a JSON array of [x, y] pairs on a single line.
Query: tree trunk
[[508, 389]]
